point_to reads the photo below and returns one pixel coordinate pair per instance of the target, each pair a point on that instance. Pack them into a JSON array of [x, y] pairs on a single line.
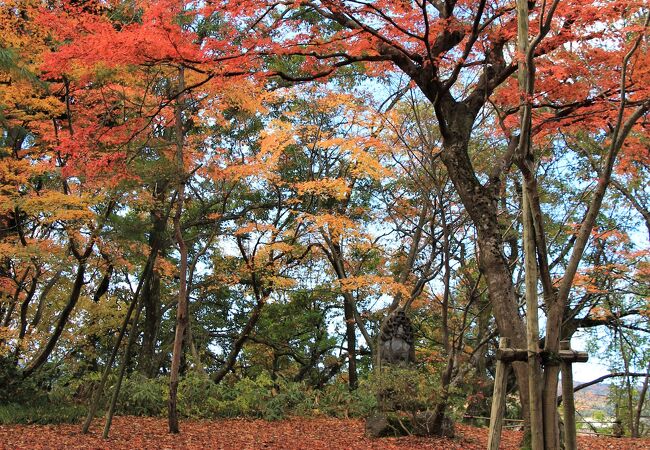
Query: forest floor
[[299, 433]]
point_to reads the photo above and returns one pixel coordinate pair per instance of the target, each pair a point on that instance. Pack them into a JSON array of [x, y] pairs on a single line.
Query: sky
[[592, 369]]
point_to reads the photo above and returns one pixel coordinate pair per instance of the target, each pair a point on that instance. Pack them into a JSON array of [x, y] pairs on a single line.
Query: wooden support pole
[[510, 355], [498, 399], [568, 404]]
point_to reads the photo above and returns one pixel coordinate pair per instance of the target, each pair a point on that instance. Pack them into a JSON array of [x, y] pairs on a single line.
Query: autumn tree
[[460, 55]]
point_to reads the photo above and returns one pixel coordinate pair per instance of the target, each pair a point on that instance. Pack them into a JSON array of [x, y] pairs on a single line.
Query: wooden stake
[[525, 78], [568, 404], [498, 400]]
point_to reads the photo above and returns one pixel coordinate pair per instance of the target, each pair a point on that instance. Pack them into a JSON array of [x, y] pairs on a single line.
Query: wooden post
[[526, 80], [568, 404], [498, 399], [535, 382]]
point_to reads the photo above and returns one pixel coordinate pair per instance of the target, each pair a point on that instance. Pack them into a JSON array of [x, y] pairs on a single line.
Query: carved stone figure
[[397, 340]]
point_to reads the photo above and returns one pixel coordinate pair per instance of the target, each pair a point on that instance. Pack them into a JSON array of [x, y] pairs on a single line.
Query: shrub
[[197, 396], [142, 396], [66, 398], [404, 388], [47, 413]]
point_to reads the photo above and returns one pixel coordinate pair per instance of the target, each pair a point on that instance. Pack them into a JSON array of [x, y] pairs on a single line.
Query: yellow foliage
[[56, 205], [334, 224], [280, 282], [379, 284], [253, 227], [6, 335], [326, 187]]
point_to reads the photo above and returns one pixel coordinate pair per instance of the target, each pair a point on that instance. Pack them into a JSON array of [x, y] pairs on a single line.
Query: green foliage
[[142, 396], [43, 398], [47, 413], [195, 392], [337, 401], [405, 388], [246, 397], [198, 398], [260, 397], [14, 388]]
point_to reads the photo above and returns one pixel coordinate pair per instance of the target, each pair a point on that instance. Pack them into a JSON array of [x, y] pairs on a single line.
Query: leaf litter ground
[[299, 433]]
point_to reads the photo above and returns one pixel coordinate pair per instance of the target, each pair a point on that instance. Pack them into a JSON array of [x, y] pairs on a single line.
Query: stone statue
[[397, 340], [401, 409]]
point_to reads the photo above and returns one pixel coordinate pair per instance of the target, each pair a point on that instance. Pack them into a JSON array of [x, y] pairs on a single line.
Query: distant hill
[[592, 398]]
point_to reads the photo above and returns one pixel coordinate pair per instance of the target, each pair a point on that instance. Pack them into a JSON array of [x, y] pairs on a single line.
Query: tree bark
[[150, 326], [351, 337], [481, 205], [61, 322], [182, 310], [241, 340], [151, 290]]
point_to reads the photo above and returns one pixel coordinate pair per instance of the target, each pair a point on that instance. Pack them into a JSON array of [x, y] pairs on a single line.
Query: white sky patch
[[592, 369]]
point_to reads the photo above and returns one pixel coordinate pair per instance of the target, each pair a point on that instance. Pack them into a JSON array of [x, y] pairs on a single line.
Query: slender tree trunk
[[182, 310], [241, 340], [636, 428], [627, 381], [25, 305], [19, 287], [351, 338], [41, 299], [125, 362], [60, 323], [450, 349], [96, 398]]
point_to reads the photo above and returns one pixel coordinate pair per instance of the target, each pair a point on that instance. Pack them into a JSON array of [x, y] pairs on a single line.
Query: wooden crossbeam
[[509, 355]]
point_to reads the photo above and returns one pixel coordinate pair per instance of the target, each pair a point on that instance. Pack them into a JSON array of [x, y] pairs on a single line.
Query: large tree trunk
[[151, 290], [481, 204], [151, 325]]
